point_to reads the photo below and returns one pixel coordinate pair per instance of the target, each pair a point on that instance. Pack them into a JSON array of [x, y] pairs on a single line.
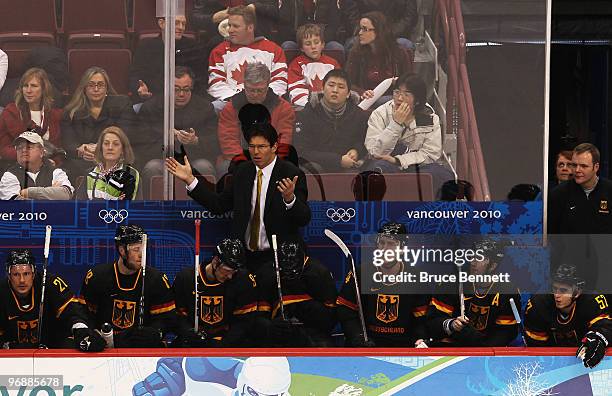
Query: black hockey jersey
[[19, 316], [544, 326], [114, 298], [391, 319], [492, 322], [224, 308], [310, 299]]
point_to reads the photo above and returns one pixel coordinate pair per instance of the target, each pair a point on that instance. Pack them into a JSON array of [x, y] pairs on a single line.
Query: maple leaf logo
[[238, 74], [316, 84]]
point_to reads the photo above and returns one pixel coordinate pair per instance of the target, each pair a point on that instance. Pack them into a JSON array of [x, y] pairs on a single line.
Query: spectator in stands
[[307, 70], [228, 61], [195, 128], [113, 178], [256, 82], [94, 106], [332, 128], [33, 108], [33, 176], [404, 134], [401, 17], [293, 14], [582, 204], [147, 70], [376, 57], [207, 14], [563, 167], [3, 68], [52, 60]]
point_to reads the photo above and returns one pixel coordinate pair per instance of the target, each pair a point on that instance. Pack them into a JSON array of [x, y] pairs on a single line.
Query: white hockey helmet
[[264, 376]]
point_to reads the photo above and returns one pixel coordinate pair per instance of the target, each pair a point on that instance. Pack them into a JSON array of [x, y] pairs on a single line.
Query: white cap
[[31, 137], [160, 8]]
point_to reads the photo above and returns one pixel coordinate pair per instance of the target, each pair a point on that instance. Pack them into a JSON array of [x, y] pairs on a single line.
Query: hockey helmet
[[128, 234], [20, 257], [568, 274], [231, 253], [264, 375], [290, 260], [491, 249], [392, 230]]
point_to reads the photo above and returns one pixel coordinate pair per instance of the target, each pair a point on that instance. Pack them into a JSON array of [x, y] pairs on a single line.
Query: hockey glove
[[593, 349], [139, 337], [191, 339], [88, 340]]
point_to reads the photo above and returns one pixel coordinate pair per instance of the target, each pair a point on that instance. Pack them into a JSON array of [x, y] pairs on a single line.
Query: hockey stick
[[278, 281], [517, 317], [143, 263], [196, 322], [41, 308], [347, 253]]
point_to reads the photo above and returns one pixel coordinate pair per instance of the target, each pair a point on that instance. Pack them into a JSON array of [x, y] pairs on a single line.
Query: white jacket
[[424, 142]]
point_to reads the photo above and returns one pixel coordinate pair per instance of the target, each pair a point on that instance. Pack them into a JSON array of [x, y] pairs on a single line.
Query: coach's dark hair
[[265, 130], [338, 73]]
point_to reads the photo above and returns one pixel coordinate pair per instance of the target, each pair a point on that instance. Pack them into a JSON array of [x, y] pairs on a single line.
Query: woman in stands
[[113, 178], [376, 57], [94, 106], [33, 108], [404, 134]]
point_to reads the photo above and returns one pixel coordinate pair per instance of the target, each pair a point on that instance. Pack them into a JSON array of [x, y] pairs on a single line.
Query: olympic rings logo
[[340, 214], [113, 215]]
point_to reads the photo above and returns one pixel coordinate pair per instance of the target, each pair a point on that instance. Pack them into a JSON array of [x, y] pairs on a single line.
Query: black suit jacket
[[237, 197]]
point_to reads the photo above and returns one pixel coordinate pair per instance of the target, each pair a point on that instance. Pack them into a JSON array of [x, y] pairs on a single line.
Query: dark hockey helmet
[[568, 274], [20, 257], [128, 234], [231, 253], [491, 249], [392, 230], [290, 260]]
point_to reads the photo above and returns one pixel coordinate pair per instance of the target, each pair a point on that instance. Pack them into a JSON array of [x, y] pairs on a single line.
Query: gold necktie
[[255, 220]]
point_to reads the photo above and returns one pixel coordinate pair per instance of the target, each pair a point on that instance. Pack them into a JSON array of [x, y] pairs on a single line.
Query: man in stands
[[256, 82], [34, 176], [228, 61], [195, 124], [332, 128], [146, 76], [582, 205], [563, 167]]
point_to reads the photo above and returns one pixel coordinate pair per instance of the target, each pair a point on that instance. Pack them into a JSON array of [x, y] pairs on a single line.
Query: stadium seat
[[145, 22], [315, 192], [27, 21], [338, 186], [156, 189], [180, 192], [94, 23], [26, 40], [17, 59], [401, 187], [116, 62]]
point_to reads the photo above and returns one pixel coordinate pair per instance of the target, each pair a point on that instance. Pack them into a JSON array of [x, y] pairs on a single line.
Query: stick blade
[[331, 235]]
